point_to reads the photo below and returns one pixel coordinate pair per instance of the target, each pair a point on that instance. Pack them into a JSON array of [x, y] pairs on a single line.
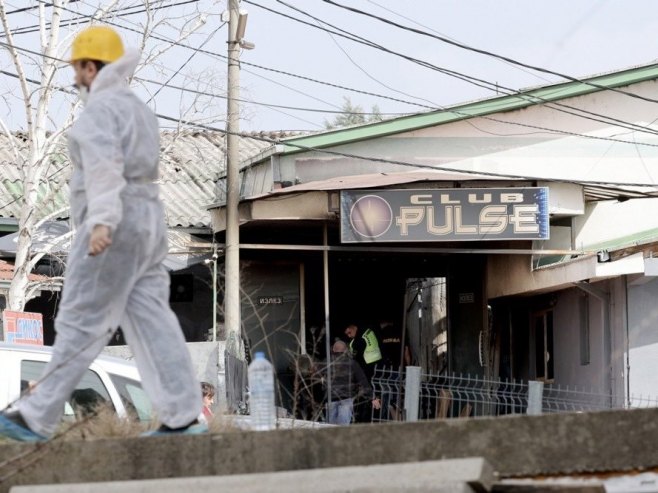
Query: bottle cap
[[259, 355]]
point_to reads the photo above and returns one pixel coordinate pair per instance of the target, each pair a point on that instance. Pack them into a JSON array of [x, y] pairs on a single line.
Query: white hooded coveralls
[[115, 149]]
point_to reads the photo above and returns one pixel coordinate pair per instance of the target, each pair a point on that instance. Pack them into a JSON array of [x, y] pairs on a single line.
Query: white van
[[107, 381]]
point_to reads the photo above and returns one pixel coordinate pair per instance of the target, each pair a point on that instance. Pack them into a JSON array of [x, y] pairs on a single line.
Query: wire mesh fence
[[461, 396]]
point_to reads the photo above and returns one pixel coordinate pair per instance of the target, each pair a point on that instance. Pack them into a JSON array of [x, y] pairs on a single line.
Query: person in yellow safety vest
[[364, 347]]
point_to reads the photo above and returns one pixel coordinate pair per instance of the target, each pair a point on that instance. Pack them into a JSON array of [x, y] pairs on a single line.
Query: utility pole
[[232, 252], [237, 21]]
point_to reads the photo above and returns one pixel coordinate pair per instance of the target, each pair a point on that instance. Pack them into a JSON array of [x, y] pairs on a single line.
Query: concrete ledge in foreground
[[451, 476], [518, 446]]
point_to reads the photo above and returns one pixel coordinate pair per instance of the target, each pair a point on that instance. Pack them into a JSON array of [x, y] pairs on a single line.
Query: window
[[137, 404], [543, 327], [87, 396]]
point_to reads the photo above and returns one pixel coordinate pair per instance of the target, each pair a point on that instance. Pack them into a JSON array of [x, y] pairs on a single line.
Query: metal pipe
[[628, 344], [302, 308], [348, 249], [327, 328], [214, 296]]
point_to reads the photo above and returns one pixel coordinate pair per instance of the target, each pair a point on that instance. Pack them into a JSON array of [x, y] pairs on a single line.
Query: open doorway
[[426, 323]]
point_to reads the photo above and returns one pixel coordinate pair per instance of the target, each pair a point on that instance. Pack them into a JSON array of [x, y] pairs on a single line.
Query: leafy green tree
[[353, 114]]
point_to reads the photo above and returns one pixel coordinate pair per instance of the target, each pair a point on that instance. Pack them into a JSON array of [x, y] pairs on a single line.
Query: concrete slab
[[564, 485], [450, 476], [519, 446]]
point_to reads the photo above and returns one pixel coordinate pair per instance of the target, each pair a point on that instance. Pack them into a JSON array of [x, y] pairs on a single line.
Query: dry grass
[[106, 424], [221, 424]]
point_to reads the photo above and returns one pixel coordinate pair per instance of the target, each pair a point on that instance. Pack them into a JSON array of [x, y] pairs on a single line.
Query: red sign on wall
[[23, 327]]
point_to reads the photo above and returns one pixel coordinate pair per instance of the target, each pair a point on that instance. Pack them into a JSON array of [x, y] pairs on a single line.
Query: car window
[[134, 398], [87, 396]]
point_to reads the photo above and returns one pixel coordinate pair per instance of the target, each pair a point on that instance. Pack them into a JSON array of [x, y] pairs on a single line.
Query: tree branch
[[11, 47]]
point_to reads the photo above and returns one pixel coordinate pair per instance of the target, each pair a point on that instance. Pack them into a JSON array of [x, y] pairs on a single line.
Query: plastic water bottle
[[261, 394]]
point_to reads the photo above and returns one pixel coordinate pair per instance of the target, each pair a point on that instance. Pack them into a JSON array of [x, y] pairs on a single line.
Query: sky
[[576, 38]]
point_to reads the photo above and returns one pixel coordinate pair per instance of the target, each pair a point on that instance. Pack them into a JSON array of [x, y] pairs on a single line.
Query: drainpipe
[[604, 297], [628, 344]]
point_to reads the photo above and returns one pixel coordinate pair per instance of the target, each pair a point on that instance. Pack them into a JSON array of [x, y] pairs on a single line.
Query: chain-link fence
[[410, 395]]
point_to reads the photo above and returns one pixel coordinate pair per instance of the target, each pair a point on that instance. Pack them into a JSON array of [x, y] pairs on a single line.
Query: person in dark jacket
[[347, 381], [364, 347]]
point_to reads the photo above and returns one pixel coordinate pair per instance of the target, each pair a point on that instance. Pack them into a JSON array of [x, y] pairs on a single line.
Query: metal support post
[[535, 397], [412, 393]]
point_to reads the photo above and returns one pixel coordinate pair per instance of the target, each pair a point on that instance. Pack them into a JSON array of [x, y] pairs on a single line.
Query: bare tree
[[38, 153]]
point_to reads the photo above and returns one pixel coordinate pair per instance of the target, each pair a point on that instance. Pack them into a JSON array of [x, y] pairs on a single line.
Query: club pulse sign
[[461, 214]]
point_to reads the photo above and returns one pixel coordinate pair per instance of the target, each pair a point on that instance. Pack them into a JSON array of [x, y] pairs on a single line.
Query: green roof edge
[[553, 92]]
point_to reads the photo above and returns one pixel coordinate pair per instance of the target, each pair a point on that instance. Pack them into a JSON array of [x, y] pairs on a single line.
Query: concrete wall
[[643, 338], [604, 371], [509, 275], [569, 369], [515, 446], [630, 218]]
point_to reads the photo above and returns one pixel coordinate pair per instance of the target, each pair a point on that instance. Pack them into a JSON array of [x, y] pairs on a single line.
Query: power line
[[487, 53], [395, 161], [117, 13], [25, 9], [261, 67], [437, 32], [375, 79], [193, 91], [215, 55], [627, 125], [184, 64], [452, 73], [465, 115], [257, 103]]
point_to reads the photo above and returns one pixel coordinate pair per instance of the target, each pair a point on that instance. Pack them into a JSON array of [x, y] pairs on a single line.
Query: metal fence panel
[[462, 396]]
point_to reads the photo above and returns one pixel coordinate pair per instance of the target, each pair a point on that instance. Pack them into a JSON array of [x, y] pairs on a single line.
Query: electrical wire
[[184, 64], [249, 101], [398, 14], [488, 53], [25, 9], [465, 115], [274, 70], [121, 12], [200, 50], [627, 125], [452, 73], [302, 147]]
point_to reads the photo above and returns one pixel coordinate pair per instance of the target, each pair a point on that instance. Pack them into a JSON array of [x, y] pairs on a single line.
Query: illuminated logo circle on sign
[[371, 216]]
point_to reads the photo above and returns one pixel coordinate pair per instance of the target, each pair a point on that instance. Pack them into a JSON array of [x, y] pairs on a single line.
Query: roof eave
[[553, 92]]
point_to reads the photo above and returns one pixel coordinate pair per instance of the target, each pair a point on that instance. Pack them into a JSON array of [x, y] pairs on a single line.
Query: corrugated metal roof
[[377, 180], [191, 162]]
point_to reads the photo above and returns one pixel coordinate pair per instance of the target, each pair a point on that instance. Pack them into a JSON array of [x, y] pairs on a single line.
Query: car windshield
[[133, 397]]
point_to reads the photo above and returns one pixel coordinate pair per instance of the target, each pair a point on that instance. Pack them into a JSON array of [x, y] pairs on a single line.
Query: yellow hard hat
[[100, 43]]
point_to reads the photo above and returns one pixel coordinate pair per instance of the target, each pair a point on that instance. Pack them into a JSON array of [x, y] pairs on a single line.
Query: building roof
[[191, 162], [592, 192], [7, 272], [523, 99]]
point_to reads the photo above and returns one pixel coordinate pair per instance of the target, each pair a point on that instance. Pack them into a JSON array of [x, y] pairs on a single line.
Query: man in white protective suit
[[115, 276]]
